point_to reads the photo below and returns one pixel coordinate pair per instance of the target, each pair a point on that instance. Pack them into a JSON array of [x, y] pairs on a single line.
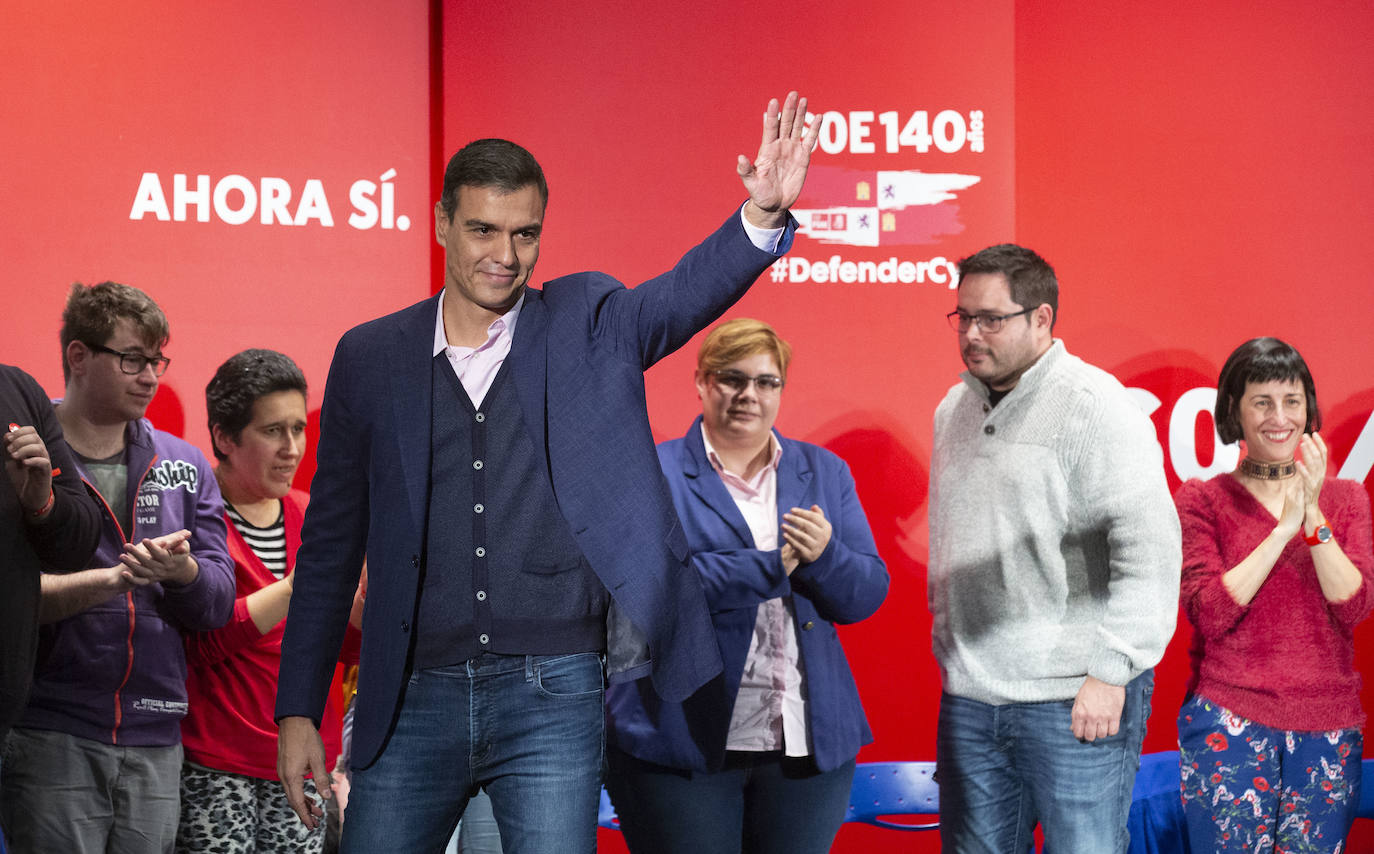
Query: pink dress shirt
[[770, 710], [476, 367]]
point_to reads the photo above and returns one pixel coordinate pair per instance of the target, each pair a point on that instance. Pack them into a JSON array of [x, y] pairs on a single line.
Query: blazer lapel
[[412, 405], [706, 484], [794, 478]]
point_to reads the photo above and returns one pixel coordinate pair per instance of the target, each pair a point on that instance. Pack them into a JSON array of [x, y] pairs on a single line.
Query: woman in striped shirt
[[229, 791]]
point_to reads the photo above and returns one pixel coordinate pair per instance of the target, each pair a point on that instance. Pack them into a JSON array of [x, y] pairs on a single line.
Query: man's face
[[490, 244], [742, 414], [1000, 358], [112, 395]]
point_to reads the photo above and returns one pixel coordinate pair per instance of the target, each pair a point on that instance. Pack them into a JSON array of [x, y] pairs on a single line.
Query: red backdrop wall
[[1197, 175]]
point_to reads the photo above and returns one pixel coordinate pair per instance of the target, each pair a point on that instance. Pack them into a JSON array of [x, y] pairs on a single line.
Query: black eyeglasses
[[134, 363], [988, 323], [738, 381]]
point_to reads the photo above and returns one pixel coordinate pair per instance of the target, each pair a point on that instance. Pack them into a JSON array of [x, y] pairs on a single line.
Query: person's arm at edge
[[66, 536], [333, 542]]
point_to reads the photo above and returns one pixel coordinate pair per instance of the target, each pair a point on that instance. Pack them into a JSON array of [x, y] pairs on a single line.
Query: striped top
[[268, 543]]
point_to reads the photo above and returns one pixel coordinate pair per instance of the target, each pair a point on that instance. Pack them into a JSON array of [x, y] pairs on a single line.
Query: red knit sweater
[[1287, 659], [231, 677]]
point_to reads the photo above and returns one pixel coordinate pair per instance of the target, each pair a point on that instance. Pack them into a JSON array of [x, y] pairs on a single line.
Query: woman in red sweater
[[1277, 572], [230, 797]]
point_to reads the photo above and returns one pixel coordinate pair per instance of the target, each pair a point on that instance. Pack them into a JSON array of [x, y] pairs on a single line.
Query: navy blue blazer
[[578, 358], [844, 585]]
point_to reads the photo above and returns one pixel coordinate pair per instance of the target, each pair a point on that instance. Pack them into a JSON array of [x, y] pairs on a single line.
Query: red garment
[[1287, 659], [231, 677]]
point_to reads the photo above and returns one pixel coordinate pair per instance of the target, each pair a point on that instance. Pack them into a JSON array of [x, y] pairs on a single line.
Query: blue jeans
[[759, 803], [1002, 769], [528, 729]]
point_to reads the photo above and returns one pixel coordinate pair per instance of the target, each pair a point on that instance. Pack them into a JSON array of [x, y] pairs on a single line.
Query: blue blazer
[[578, 358], [846, 584]]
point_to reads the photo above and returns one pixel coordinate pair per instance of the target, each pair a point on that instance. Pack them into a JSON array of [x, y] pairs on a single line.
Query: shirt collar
[[714, 458], [505, 323]]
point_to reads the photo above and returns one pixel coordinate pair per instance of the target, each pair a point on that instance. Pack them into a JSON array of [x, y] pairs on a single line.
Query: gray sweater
[[1054, 543]]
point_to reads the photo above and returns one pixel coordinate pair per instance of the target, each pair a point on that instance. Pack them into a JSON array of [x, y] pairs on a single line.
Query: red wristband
[[46, 506]]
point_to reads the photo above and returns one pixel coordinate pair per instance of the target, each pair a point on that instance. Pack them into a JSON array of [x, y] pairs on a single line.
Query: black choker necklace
[[1268, 471]]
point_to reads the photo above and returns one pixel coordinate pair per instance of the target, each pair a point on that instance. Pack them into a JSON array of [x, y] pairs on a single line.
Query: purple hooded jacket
[[116, 673]]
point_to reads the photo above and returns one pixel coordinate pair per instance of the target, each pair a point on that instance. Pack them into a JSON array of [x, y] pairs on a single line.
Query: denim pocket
[[579, 675]]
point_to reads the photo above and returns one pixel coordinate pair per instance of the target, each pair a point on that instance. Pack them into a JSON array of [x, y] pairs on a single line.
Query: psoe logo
[[236, 199], [174, 474], [884, 208]]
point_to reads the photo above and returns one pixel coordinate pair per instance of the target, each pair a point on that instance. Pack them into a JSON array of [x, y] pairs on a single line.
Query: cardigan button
[[808, 625], [989, 429], [480, 418], [483, 639], [415, 561], [405, 626]]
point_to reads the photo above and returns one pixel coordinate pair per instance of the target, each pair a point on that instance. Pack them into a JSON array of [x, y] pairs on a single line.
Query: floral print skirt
[[1249, 787]]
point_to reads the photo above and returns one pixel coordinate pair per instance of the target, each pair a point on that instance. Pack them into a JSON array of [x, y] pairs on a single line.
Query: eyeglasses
[[738, 381], [134, 363], [988, 323]]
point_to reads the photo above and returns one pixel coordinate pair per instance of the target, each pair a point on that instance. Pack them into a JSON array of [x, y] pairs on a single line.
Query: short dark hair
[[1260, 360], [497, 163], [92, 312], [1030, 278], [242, 381]]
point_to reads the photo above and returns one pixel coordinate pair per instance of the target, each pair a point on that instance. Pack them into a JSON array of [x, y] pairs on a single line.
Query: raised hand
[[1312, 467], [1294, 506], [29, 467], [775, 177]]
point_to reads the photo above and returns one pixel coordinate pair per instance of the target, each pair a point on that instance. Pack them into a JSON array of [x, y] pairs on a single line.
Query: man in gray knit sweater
[[1054, 568]]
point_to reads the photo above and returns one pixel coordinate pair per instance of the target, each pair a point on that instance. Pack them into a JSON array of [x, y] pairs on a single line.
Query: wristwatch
[[1319, 536]]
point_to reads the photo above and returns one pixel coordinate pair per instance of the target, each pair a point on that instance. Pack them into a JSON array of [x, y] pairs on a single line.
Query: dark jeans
[[528, 729], [1004, 768], [759, 803]]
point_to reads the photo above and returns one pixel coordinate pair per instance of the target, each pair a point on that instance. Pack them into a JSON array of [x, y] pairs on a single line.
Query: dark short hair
[[497, 163], [242, 381], [92, 312], [1260, 360], [1030, 278]]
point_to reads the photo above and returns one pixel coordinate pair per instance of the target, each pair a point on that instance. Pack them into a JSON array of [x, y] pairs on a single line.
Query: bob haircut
[[739, 339], [1260, 360]]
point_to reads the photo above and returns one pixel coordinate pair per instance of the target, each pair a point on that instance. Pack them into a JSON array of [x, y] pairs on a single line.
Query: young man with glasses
[[94, 763], [1054, 571]]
